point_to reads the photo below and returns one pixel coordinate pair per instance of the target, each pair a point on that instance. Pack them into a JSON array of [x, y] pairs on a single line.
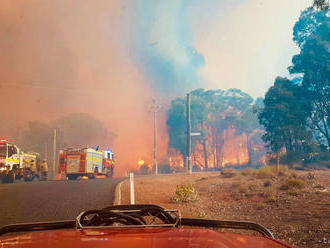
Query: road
[[53, 200]]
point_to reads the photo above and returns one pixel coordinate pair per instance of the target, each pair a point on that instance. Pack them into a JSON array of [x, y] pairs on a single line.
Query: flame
[[141, 162]]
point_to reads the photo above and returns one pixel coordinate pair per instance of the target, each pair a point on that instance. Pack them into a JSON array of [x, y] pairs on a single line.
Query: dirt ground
[[298, 215]]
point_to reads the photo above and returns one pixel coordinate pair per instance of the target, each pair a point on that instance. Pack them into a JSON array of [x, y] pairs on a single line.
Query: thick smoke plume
[[161, 44], [59, 57]]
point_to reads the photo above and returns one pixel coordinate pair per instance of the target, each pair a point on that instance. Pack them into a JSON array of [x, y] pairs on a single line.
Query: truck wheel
[[109, 173], [4, 179], [28, 176], [72, 177], [9, 178], [96, 173]]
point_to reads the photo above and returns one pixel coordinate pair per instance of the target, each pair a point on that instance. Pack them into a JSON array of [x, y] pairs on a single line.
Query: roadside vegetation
[[293, 204]]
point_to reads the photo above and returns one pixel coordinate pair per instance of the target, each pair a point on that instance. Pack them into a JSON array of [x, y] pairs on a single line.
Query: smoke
[[246, 43], [59, 57], [108, 58], [161, 45]]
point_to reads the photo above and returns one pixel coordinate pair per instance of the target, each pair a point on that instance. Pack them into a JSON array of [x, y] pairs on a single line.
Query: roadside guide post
[[131, 187], [54, 157]]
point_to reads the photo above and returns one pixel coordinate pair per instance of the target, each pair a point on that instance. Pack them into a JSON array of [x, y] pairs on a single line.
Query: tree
[[307, 24], [284, 117], [80, 129], [38, 137], [232, 108], [176, 123], [321, 4], [212, 112], [312, 34]]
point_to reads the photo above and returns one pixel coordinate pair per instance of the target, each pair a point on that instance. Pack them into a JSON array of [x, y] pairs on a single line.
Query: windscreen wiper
[[38, 226]]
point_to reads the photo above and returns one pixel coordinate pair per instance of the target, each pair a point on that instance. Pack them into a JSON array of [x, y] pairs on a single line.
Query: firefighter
[[44, 170]]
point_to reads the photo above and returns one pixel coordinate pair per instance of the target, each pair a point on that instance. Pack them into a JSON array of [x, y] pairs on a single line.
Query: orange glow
[[141, 162]]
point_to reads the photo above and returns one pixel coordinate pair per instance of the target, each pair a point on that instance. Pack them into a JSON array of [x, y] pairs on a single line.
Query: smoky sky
[[161, 44], [181, 45]]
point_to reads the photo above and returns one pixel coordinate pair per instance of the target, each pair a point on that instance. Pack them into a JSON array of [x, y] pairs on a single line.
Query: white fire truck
[[15, 164], [88, 162]]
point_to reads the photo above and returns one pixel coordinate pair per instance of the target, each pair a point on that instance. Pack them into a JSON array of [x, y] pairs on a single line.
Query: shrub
[[270, 171], [265, 172], [267, 183], [229, 173], [295, 184], [248, 172], [185, 193]]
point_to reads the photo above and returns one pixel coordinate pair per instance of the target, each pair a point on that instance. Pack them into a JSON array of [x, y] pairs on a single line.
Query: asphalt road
[[53, 200]]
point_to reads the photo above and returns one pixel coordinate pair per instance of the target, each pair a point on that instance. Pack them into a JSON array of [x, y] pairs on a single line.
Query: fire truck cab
[[88, 162], [10, 161], [15, 164]]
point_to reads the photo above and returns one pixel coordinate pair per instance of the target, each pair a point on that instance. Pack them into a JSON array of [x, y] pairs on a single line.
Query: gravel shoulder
[[298, 215]]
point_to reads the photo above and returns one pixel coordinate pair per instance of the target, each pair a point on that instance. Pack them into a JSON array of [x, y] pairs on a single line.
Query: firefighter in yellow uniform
[[44, 170]]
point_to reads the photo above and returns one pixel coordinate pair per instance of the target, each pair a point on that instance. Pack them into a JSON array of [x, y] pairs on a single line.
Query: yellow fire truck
[[15, 164]]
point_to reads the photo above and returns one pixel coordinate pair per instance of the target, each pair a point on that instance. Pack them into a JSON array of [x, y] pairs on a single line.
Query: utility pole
[[188, 155], [155, 108], [46, 152], [54, 156]]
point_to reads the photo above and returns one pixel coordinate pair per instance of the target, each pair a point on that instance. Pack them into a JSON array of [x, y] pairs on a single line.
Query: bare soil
[[297, 216]]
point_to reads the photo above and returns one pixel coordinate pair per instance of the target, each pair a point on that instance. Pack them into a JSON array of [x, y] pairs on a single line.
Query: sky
[[109, 58], [181, 44]]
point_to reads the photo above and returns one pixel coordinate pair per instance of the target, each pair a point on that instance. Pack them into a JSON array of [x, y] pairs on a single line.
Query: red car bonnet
[[135, 238]]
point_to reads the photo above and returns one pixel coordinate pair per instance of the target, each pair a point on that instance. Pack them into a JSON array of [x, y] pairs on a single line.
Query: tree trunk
[[249, 148], [326, 132], [277, 162], [205, 154]]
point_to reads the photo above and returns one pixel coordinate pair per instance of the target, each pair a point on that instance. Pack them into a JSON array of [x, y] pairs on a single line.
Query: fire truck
[[16, 164], [33, 167], [82, 162]]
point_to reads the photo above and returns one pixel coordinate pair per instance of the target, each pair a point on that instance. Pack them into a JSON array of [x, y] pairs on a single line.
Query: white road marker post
[[131, 187]]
